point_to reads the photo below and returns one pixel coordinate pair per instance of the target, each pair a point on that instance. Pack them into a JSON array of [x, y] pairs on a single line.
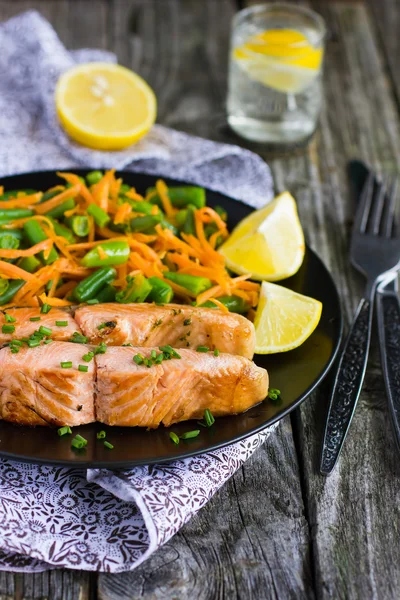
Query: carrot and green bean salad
[[95, 239]]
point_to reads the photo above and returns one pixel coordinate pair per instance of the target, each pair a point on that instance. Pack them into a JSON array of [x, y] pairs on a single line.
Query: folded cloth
[[98, 519]]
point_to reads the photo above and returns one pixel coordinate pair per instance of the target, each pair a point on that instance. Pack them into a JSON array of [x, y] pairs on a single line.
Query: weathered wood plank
[[241, 544]]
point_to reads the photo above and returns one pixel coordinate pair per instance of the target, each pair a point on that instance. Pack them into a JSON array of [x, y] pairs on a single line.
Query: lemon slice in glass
[[105, 106], [282, 59], [269, 243], [284, 319]]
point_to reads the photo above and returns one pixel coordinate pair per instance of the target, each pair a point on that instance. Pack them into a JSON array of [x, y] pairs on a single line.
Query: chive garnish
[[187, 322], [108, 445], [81, 439], [78, 338], [158, 360], [153, 354], [88, 357], [45, 309], [101, 348], [101, 326], [34, 319], [190, 434], [208, 418], [14, 349], [202, 349], [216, 352], [77, 444], [64, 430], [274, 395], [33, 343], [83, 368], [45, 330], [10, 319], [67, 364], [8, 328], [61, 323], [174, 437], [47, 342], [138, 359], [16, 342], [147, 362], [101, 435]]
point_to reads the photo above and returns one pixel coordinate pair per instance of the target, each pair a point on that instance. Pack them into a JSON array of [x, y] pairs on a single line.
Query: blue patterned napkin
[[98, 519]]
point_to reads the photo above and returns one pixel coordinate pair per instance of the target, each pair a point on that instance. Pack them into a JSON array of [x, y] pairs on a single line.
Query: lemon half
[[269, 243], [284, 319], [105, 106]]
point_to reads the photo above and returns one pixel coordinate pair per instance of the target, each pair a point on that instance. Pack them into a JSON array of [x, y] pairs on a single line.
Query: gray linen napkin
[[97, 519]]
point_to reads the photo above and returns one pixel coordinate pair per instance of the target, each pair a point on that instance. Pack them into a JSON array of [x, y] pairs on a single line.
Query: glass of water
[[275, 74]]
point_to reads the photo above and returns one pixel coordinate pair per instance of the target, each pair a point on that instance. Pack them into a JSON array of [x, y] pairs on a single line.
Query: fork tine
[[389, 216], [377, 207], [364, 205]]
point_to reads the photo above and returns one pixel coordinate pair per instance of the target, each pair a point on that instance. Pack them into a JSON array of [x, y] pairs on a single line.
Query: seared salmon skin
[[25, 326], [179, 326], [178, 389], [36, 390]]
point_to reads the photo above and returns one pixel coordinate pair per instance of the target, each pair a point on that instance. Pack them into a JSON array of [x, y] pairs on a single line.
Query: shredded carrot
[[102, 253], [46, 245], [114, 188], [54, 301], [23, 201], [219, 304], [71, 192], [54, 284], [14, 272], [122, 213], [133, 195], [162, 191], [1, 190], [92, 229], [74, 180], [65, 289]]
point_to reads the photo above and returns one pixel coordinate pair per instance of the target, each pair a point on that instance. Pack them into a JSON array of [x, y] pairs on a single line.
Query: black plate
[[295, 373]]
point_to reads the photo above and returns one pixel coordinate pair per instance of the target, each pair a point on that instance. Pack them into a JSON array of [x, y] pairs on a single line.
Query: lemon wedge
[[269, 243], [104, 106], [284, 319], [282, 59]]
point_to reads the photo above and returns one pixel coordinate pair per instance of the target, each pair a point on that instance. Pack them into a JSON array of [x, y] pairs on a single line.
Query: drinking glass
[[275, 74]]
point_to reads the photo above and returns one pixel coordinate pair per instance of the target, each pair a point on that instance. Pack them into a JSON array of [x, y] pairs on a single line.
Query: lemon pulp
[[282, 59], [104, 106]]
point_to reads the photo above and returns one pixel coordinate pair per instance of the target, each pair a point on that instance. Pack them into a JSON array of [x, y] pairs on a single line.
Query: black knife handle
[[347, 385], [388, 310]]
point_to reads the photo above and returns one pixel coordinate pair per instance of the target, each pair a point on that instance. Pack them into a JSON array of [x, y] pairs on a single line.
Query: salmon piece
[[179, 326], [36, 390], [129, 395], [24, 327]]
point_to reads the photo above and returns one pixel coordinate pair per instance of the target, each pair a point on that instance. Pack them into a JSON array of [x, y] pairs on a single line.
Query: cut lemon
[[105, 106], [284, 319], [269, 243], [282, 59]]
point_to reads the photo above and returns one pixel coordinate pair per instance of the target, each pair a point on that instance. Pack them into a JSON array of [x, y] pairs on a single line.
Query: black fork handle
[[347, 386]]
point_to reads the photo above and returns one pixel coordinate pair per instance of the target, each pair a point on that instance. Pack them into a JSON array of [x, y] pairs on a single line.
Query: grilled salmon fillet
[[179, 326], [24, 327], [128, 394], [36, 390]]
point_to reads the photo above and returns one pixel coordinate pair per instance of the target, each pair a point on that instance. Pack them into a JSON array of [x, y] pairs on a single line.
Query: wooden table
[[277, 529]]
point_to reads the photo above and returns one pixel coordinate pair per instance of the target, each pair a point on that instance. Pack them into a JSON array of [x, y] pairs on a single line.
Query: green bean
[[194, 284], [117, 253], [99, 215], [180, 217], [89, 287], [9, 242], [35, 234], [146, 223], [94, 177], [106, 294], [140, 206], [79, 225], [14, 193], [29, 263], [161, 291], [11, 214], [124, 188], [137, 290], [233, 304], [189, 225], [63, 231], [4, 283], [221, 212], [13, 286], [16, 233], [182, 196], [49, 195], [58, 211]]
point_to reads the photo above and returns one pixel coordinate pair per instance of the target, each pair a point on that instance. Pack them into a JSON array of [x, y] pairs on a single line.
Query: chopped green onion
[[83, 368], [81, 439], [101, 435], [147, 362], [10, 319], [67, 364], [8, 329], [14, 349], [274, 395], [61, 323], [216, 352], [208, 418], [153, 354], [33, 343], [47, 341], [159, 359], [174, 437], [77, 444], [169, 352], [46, 308], [64, 430], [190, 434], [108, 445], [88, 357], [101, 348], [92, 301], [34, 319], [102, 326], [202, 349], [138, 359], [16, 342], [187, 322], [45, 330]]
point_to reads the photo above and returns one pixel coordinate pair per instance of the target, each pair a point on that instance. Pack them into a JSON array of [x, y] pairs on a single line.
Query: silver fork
[[374, 251]]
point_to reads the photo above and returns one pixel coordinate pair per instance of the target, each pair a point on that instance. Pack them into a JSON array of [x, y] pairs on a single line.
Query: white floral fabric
[[98, 519]]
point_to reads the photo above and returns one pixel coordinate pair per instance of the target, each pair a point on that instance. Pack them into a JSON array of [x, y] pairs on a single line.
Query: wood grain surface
[[277, 529]]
